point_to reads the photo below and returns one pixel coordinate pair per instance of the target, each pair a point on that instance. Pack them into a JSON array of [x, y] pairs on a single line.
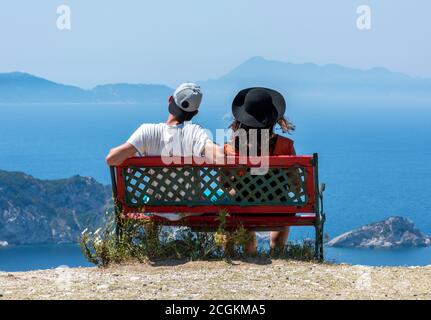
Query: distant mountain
[[258, 69], [23, 87], [312, 80], [34, 211], [20, 87], [295, 80]]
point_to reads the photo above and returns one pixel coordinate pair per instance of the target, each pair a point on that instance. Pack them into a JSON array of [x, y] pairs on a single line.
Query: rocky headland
[[394, 232], [35, 211]]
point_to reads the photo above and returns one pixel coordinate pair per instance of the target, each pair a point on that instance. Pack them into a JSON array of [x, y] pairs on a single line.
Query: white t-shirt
[[169, 140], [184, 140]]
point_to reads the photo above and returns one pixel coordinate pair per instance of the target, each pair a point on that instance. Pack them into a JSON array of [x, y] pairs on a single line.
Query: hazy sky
[[168, 41]]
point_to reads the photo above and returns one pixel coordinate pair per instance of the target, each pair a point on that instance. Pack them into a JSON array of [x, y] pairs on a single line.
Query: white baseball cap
[[186, 101]]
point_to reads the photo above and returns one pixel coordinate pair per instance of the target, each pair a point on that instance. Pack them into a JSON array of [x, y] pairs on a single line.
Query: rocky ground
[[221, 280]]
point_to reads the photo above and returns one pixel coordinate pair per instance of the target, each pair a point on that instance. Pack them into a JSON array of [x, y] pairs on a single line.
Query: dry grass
[[146, 241]]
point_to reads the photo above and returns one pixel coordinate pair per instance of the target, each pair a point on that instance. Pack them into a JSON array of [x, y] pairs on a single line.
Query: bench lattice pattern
[[193, 186]]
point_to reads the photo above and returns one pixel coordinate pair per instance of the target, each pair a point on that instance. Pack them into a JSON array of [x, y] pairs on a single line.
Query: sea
[[375, 159]]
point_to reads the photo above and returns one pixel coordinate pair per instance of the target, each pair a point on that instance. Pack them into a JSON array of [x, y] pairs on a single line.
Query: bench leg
[[118, 225], [318, 249], [118, 232], [320, 221]]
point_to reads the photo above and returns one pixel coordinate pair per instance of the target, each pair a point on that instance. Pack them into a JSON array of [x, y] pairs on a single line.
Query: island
[[394, 232]]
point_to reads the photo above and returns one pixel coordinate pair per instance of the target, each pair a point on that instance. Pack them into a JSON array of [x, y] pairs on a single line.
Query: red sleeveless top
[[283, 147]]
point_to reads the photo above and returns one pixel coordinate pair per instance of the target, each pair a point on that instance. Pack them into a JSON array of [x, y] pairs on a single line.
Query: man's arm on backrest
[[212, 152], [136, 144], [116, 156]]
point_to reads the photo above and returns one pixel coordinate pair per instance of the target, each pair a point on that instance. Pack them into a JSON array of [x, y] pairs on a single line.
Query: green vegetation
[[146, 241]]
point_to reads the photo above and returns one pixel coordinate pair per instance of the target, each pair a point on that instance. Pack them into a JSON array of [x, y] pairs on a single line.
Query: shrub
[[145, 240]]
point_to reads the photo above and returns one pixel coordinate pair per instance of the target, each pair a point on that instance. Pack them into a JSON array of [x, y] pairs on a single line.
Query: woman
[[255, 110]]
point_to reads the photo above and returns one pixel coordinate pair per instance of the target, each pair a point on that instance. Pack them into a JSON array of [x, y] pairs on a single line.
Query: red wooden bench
[[287, 195]]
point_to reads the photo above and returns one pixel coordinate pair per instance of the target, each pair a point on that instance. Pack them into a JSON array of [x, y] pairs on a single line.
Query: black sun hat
[[258, 107]]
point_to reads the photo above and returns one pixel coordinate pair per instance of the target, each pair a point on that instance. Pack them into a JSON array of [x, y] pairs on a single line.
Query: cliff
[[49, 211]]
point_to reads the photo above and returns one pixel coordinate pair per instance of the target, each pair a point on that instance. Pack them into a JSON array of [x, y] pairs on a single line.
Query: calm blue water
[[380, 257], [38, 257], [375, 159]]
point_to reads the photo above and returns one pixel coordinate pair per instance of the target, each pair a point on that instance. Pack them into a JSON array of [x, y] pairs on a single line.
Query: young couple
[[257, 109]]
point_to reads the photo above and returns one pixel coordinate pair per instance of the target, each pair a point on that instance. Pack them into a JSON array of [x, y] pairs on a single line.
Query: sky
[[169, 41]]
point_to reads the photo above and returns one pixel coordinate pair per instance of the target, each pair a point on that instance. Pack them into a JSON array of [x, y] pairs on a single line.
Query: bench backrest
[[147, 184]]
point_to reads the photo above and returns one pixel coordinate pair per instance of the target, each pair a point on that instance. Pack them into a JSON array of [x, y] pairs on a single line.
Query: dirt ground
[[220, 280]]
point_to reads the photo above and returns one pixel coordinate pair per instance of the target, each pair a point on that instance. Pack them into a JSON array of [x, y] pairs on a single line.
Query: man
[[173, 138]]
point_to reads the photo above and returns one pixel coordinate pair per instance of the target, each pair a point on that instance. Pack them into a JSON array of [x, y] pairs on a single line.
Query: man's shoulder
[[193, 126], [149, 130], [152, 125]]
